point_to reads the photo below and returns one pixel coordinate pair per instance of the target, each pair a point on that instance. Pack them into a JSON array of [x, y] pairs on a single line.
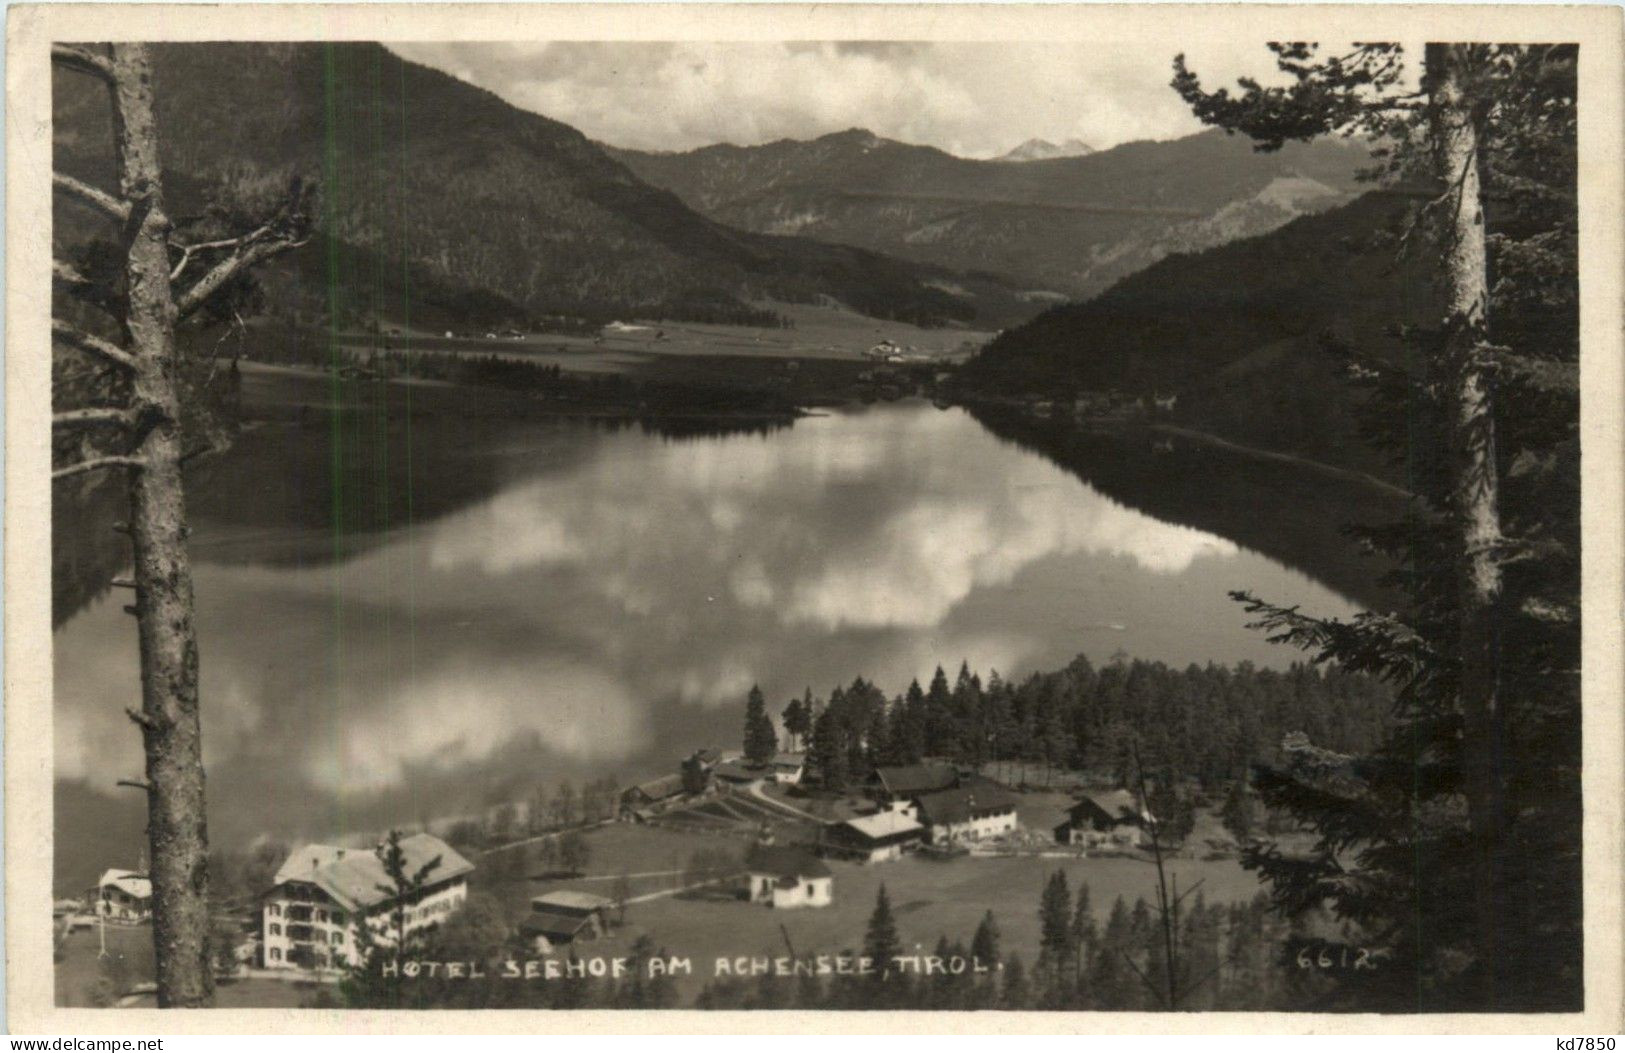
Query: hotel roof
[[355, 878]]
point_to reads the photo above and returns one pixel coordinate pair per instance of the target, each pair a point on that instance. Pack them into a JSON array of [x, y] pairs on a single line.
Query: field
[[930, 898], [130, 962], [78, 965], [819, 332]]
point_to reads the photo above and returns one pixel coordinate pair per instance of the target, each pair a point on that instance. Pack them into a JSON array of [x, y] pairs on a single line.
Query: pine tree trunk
[[1475, 503], [170, 730]]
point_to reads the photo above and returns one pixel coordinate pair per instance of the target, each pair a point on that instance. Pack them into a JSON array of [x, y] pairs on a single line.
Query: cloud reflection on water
[[610, 613]]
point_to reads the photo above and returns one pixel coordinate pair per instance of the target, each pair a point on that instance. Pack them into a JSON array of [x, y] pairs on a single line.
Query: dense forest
[[1203, 723]]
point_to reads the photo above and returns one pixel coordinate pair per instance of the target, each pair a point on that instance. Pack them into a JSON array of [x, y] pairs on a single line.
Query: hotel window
[[338, 937], [276, 911], [276, 954], [338, 917], [276, 930]]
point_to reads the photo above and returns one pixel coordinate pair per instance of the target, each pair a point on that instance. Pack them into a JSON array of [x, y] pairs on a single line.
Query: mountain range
[[1062, 228], [442, 203], [1044, 150], [444, 206]]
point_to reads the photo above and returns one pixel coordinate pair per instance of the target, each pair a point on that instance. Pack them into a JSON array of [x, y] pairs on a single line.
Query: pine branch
[[93, 345], [93, 417], [96, 464], [72, 281], [112, 207], [1380, 644], [251, 250], [81, 59], [1542, 374]]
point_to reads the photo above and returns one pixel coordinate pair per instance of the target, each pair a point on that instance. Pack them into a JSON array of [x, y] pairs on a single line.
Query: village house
[[874, 838], [562, 918], [1113, 818], [787, 768], [122, 895], [783, 876], [906, 782], [976, 809], [321, 894], [637, 801]]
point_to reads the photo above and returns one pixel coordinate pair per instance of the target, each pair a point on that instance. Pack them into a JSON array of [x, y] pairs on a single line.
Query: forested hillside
[[440, 201], [1069, 225], [1242, 334]]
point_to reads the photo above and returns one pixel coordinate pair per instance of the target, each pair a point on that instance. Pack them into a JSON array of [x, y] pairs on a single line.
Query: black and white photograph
[[1044, 524]]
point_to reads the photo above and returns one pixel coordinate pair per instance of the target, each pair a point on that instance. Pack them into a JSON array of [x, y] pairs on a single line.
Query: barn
[[562, 918], [874, 838]]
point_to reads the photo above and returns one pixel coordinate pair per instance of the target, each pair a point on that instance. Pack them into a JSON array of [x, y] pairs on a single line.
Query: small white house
[[785, 877], [122, 895], [787, 768]]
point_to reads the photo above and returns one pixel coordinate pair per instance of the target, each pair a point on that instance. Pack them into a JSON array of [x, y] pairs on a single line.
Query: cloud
[[594, 617], [972, 99], [868, 521], [928, 558], [459, 716]]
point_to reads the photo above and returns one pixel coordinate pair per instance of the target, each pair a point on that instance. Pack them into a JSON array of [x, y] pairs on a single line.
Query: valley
[[1069, 224]]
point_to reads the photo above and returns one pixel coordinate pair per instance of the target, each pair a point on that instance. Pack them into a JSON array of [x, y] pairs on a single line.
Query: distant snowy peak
[[1044, 150]]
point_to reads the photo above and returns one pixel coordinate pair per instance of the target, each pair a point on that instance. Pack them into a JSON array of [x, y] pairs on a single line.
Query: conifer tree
[[984, 949], [829, 753], [881, 945], [1084, 934], [385, 935], [1486, 659], [797, 719], [1237, 813], [1015, 993], [761, 741], [1055, 942], [985, 944], [145, 412]]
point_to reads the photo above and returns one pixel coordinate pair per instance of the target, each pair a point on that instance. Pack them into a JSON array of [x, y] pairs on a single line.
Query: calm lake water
[[601, 601]]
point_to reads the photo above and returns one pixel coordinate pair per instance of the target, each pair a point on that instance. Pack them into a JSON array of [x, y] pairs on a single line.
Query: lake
[[462, 610]]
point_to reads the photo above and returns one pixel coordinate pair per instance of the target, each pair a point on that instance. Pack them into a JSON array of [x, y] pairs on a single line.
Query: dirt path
[[666, 892], [616, 877], [756, 792]]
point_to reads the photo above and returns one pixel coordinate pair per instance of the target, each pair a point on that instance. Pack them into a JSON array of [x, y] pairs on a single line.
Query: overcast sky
[[975, 100]]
